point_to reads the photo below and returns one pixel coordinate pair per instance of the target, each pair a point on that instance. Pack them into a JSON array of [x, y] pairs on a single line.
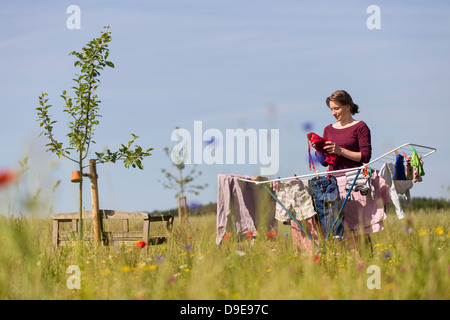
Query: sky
[[227, 65]]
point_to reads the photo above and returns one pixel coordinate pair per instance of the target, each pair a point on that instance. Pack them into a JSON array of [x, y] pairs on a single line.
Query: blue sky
[[231, 64]]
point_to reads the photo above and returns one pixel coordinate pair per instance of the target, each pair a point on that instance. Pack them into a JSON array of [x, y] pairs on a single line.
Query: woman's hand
[[332, 147]]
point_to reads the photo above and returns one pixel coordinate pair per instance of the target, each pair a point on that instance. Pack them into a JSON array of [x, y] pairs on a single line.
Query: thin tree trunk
[[80, 220]]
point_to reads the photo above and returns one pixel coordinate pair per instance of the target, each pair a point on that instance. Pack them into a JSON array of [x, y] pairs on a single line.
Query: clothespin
[[395, 152], [275, 185], [317, 173], [368, 171], [328, 176], [365, 173]]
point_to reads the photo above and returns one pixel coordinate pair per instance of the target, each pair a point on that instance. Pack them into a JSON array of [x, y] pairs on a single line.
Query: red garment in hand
[[319, 143]]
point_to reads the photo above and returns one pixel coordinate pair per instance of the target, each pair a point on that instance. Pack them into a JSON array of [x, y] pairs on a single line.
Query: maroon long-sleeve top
[[354, 138]]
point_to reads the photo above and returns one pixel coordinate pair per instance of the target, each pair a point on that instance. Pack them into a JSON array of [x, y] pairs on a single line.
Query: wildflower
[[439, 230], [7, 177], [142, 266], [126, 269], [227, 235], [240, 253], [159, 258], [315, 259], [249, 234], [390, 286], [188, 246], [140, 244], [172, 278], [270, 235], [152, 267], [388, 255], [360, 266], [307, 126]]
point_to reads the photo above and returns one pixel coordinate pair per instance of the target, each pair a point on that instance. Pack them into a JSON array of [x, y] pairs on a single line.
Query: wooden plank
[[72, 215], [126, 225], [113, 214], [146, 231], [118, 242], [75, 225], [55, 233]]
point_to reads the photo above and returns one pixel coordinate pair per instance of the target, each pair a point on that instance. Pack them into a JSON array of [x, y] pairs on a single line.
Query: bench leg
[[55, 233]]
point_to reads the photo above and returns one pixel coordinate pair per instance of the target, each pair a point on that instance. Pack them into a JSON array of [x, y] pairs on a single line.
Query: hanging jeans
[[325, 193]]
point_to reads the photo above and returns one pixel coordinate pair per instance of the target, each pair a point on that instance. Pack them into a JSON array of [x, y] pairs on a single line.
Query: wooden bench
[[110, 237]]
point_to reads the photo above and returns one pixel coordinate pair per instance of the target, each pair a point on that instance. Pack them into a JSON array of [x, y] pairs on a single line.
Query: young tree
[[83, 112], [181, 182]]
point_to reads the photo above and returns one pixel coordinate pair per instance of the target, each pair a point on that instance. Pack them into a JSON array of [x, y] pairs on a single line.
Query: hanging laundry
[[362, 184], [295, 197], [319, 142], [399, 169], [417, 163], [251, 206], [409, 169], [325, 193], [396, 187], [364, 215], [300, 242]]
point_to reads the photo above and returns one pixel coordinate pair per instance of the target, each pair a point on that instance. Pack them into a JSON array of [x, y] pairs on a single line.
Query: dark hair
[[344, 99]]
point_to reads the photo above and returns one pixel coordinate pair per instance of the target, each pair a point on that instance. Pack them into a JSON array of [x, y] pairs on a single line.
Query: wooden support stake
[[185, 210], [179, 209], [97, 219]]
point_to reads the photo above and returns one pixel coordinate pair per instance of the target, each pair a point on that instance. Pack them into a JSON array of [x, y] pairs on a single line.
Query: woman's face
[[339, 112]]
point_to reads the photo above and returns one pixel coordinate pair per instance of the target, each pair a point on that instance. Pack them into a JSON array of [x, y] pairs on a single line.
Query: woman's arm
[[332, 147]]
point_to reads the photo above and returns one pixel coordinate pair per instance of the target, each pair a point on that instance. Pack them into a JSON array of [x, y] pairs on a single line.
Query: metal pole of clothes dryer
[[339, 216], [284, 208]]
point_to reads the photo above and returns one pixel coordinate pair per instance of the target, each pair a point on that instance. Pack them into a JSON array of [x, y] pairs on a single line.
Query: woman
[[350, 139]]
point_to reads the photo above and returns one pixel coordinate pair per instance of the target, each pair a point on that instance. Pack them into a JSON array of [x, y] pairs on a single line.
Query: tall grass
[[412, 255]]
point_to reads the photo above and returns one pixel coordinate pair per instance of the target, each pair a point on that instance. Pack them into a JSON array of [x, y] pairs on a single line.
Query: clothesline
[[402, 148]]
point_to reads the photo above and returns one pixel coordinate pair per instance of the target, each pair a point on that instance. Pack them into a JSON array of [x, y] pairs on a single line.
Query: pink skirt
[[362, 213], [301, 242]]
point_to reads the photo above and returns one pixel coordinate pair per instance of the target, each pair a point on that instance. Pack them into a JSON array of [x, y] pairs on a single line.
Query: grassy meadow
[[412, 256]]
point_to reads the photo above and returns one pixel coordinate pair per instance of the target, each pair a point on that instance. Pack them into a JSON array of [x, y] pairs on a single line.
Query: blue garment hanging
[[399, 169], [325, 192]]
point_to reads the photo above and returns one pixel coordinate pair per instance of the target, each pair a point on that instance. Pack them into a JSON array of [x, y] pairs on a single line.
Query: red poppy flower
[[315, 259], [140, 244], [270, 235], [227, 235], [249, 234], [6, 177]]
